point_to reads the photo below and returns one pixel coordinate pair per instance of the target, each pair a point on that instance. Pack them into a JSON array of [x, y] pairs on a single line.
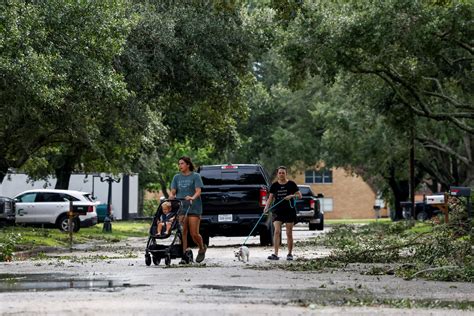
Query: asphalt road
[[113, 279]]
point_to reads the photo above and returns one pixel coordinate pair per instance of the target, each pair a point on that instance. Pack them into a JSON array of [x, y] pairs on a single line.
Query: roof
[[54, 191], [230, 164]]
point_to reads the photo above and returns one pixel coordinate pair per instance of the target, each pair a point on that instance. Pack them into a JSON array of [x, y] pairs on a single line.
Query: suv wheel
[[63, 224]]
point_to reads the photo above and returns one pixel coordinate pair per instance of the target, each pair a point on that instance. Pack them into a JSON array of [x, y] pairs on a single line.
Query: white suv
[[50, 206]]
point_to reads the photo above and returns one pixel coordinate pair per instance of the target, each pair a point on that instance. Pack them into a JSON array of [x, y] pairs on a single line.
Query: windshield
[[306, 191], [89, 197], [240, 176]]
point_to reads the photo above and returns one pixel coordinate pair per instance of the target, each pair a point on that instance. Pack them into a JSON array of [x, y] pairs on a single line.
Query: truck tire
[[422, 216], [320, 226]]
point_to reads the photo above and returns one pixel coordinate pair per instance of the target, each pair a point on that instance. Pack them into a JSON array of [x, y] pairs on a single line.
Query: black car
[[308, 209], [7, 211], [423, 211]]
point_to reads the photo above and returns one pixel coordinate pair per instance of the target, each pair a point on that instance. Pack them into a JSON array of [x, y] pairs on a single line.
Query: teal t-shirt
[[186, 185]]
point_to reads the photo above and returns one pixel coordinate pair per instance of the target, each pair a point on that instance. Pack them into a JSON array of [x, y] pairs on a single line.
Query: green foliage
[[8, 242], [159, 171], [14, 239], [60, 88], [177, 61], [91, 86], [429, 250], [150, 207], [386, 67]]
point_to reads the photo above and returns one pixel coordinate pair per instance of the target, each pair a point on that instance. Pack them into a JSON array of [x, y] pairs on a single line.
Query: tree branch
[[391, 77], [432, 269], [434, 144]]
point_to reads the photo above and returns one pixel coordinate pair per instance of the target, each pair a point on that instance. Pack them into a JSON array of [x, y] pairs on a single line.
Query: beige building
[[345, 196]]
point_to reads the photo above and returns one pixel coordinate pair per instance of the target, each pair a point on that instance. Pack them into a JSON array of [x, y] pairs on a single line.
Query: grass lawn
[[29, 237], [355, 221]]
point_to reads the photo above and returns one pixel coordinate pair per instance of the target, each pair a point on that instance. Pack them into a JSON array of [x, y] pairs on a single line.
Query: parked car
[[308, 208], [7, 211], [423, 211], [50, 207]]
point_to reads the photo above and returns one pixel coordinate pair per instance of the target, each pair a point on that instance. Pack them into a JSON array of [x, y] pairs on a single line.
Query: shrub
[[150, 207], [8, 245]]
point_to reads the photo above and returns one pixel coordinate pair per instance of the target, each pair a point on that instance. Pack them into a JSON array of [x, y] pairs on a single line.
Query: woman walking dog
[[283, 192]]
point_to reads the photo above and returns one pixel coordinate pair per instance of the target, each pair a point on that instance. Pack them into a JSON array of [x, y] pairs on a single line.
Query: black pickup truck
[[308, 209], [233, 199]]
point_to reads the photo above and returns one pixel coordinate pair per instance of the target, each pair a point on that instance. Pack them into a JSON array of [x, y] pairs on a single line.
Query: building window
[[318, 176], [326, 204]]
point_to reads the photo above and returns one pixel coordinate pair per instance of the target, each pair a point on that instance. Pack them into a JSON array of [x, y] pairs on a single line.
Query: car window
[[241, 176], [306, 191], [49, 197], [67, 197], [27, 198], [88, 197]]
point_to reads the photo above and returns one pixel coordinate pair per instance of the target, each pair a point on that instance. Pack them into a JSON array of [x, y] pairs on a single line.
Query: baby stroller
[[167, 246]]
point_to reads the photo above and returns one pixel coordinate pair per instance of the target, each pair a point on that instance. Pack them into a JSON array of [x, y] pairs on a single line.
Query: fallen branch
[[431, 269], [411, 242]]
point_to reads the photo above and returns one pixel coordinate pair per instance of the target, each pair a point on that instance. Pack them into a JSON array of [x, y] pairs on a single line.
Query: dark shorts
[[287, 217]]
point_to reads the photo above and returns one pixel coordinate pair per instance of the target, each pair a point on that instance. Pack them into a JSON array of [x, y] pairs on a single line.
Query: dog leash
[[259, 219]]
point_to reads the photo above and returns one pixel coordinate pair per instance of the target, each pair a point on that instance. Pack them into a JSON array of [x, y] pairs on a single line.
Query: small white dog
[[242, 253]]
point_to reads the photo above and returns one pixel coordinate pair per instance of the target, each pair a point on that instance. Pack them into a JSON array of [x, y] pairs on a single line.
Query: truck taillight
[[90, 209], [263, 197], [311, 204]]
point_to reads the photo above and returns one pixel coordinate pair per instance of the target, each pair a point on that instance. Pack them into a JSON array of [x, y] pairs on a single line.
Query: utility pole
[[108, 220], [412, 170]]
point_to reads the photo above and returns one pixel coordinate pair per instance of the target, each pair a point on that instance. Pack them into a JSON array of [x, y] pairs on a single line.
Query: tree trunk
[[63, 172], [141, 198], [455, 167], [62, 179], [401, 193], [164, 188], [3, 170]]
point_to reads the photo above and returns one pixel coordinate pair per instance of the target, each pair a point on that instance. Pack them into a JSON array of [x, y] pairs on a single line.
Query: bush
[[8, 245], [150, 207], [433, 250]]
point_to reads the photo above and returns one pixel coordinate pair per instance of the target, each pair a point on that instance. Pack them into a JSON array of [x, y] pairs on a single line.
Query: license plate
[[224, 218]]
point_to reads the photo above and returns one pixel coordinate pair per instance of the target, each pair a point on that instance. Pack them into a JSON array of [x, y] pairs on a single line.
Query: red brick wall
[[352, 197]]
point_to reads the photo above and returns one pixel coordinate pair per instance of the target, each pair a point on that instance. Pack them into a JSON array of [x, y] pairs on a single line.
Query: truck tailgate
[[243, 199]]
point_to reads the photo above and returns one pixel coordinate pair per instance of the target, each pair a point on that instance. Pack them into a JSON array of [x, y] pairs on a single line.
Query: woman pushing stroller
[[187, 185]]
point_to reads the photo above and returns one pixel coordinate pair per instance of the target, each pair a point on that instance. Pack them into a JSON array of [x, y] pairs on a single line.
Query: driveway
[[113, 279]]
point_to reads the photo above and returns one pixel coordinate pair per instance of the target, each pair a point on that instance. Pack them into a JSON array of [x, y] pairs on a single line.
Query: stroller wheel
[[156, 260], [188, 256], [168, 260], [147, 259]]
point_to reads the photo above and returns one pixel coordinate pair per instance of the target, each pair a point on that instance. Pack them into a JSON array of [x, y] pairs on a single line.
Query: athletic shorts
[[286, 217]]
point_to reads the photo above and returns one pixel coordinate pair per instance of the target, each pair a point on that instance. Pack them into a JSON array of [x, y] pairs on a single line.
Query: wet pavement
[[106, 279], [54, 282]]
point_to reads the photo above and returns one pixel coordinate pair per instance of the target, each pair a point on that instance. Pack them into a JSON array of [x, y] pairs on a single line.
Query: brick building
[[345, 196]]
